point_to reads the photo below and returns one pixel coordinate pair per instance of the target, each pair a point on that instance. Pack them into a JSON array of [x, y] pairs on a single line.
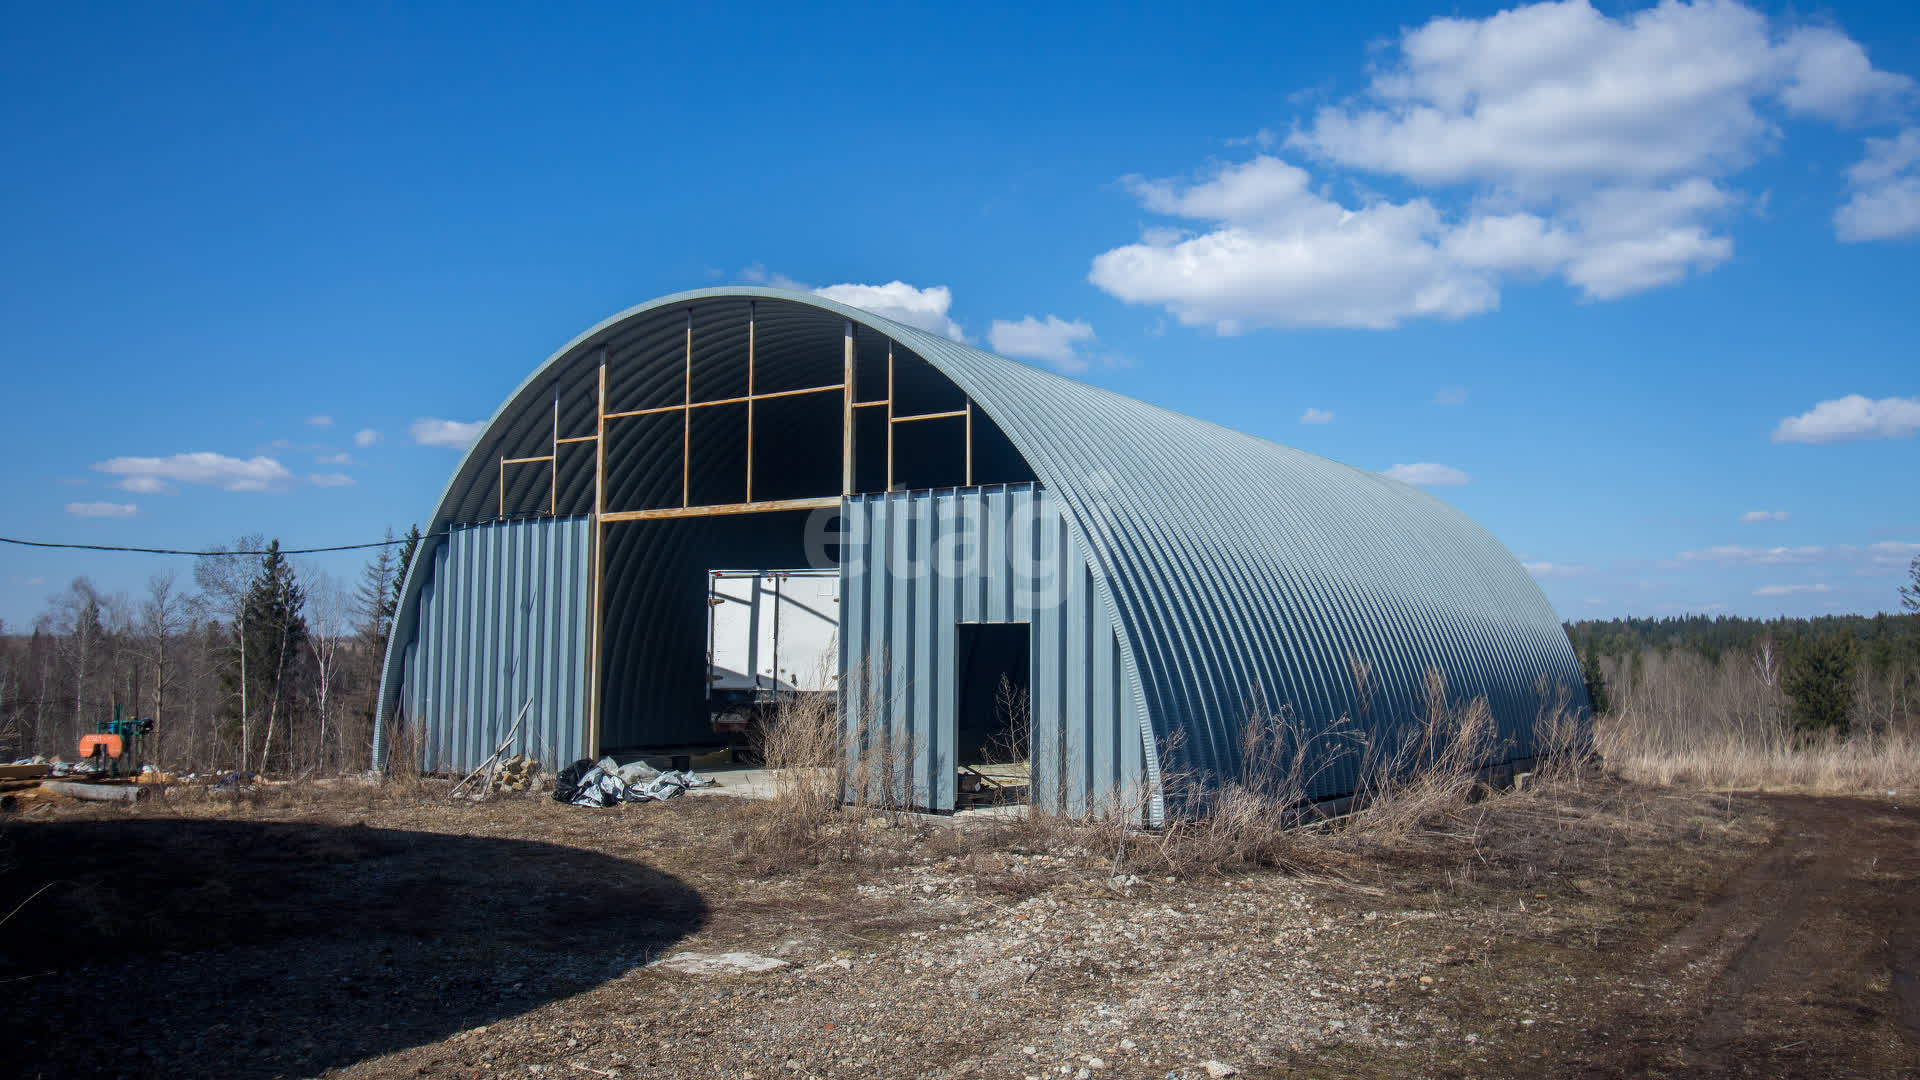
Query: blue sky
[[1631, 286]]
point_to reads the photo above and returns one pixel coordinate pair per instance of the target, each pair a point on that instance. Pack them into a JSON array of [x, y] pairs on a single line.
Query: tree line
[[1833, 675], [254, 666]]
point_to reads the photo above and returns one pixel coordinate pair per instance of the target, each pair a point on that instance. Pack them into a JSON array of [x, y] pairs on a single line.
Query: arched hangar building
[[1144, 577]]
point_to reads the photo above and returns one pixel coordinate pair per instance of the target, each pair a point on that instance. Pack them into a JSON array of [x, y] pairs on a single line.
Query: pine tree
[[400, 574], [276, 634], [1819, 681], [1596, 681]]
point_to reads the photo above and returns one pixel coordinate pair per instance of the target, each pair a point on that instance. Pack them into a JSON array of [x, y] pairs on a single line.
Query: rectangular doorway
[[993, 727]]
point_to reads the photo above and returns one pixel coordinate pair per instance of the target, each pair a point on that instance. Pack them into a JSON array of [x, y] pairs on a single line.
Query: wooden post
[[969, 442], [846, 417], [686, 414], [750, 313], [553, 477], [592, 747], [889, 415]]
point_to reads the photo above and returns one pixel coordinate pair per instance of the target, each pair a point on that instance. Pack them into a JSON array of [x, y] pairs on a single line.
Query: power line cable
[[177, 551]]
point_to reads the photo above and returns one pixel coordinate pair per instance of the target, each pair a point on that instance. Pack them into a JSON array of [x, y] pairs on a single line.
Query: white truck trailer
[[772, 636]]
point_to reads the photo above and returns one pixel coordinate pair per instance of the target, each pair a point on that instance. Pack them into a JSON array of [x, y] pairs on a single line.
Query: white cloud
[[1316, 416], [1450, 395], [760, 275], [453, 434], [1741, 555], [1884, 191], [1884, 553], [156, 476], [1754, 516], [901, 302], [330, 480], [321, 421], [1545, 95], [365, 437], [341, 458], [102, 509], [1852, 418], [1052, 340], [1428, 474], [1556, 570], [1547, 140], [1790, 590]]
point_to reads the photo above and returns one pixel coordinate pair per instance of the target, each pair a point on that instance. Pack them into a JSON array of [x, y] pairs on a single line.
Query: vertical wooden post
[[846, 416], [553, 473], [969, 442], [594, 682], [889, 415], [750, 313], [686, 414]]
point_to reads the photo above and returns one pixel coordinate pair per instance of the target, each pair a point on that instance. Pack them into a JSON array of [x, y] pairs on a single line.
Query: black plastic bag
[[566, 784]]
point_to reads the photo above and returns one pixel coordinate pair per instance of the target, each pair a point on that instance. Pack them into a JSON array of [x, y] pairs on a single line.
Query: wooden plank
[[889, 415], [871, 404], [25, 772], [846, 416], [950, 414], [750, 320], [581, 438], [525, 460], [553, 480], [644, 412], [591, 747], [969, 442], [824, 502], [686, 415]]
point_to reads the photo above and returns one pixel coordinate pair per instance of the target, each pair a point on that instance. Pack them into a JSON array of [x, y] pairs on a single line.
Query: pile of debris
[[517, 773], [609, 783]]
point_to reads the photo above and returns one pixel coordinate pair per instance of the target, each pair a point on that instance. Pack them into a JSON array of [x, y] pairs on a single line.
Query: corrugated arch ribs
[[1236, 571]]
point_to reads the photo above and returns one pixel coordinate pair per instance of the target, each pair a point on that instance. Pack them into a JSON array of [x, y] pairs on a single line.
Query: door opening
[[992, 721]]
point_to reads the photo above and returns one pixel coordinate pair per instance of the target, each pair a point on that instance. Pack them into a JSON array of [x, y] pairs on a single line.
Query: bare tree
[[328, 629], [163, 617], [223, 578], [82, 636]]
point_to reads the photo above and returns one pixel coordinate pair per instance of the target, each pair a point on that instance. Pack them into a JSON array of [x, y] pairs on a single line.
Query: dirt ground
[[1604, 931]]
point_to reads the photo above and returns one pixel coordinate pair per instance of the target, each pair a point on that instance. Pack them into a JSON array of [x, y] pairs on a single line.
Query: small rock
[[1096, 1063], [1030, 1051], [845, 964], [1426, 980], [1219, 1070]]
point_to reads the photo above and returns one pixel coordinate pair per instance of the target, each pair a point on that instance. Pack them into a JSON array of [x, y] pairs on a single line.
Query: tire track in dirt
[[1772, 927]]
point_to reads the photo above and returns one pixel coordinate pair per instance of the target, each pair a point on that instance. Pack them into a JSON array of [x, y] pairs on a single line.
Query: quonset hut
[[1141, 579]]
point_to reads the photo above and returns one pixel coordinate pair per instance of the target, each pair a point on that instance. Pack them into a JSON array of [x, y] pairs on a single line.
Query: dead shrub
[[1419, 773]]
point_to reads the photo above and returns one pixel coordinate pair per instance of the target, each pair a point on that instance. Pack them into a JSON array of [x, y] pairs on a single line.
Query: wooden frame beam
[[948, 415], [745, 400], [594, 681], [846, 414], [824, 502], [750, 328]]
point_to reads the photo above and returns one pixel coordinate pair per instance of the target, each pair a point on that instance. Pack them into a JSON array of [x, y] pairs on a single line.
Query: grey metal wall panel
[[915, 566], [500, 622]]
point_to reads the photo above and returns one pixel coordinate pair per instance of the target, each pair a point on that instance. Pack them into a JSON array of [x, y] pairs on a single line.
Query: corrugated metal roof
[[1235, 569]]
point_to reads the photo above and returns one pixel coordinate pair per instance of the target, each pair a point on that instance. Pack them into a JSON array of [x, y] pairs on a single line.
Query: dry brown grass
[[1682, 720], [1645, 749]]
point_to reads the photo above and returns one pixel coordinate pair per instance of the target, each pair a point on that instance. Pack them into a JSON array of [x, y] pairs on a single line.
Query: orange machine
[[91, 745]]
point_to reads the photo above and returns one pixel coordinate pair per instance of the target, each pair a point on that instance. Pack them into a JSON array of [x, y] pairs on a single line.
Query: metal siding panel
[[500, 622], [901, 545]]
